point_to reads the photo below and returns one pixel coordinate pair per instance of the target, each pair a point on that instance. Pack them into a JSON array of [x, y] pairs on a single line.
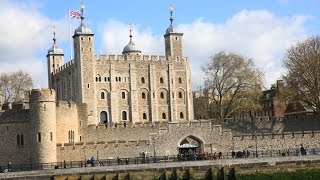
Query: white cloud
[[254, 34], [25, 32], [115, 36]]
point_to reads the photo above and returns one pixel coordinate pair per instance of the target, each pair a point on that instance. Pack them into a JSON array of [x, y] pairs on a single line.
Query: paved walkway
[[157, 166]]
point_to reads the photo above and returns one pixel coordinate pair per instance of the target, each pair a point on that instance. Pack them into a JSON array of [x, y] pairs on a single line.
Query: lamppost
[[256, 139], [153, 141], [154, 148]]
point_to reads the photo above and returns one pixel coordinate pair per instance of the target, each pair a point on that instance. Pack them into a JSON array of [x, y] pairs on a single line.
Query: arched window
[[164, 116], [161, 80], [143, 95], [99, 79], [144, 116], [123, 95], [162, 95], [181, 115], [142, 80], [103, 117], [179, 80], [124, 116], [102, 95], [180, 95], [18, 140]]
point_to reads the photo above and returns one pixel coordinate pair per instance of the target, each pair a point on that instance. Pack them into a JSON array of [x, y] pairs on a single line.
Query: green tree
[[302, 62], [232, 81], [13, 85]]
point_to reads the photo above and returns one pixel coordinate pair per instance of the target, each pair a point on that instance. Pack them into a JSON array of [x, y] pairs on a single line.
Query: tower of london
[[130, 87], [112, 106]]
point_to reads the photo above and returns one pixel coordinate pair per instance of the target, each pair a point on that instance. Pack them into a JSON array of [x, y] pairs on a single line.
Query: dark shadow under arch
[[190, 144]]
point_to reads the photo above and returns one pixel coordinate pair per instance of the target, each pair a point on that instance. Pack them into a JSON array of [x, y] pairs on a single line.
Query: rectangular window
[[51, 136], [39, 137]]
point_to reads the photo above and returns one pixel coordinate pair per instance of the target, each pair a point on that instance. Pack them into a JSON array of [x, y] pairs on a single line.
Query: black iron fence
[[158, 159]]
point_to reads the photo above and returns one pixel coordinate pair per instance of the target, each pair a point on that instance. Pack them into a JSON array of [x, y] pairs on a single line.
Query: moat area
[[205, 169]]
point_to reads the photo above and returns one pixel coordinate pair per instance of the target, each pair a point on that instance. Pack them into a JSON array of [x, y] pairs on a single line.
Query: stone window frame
[[124, 116], [143, 80], [180, 80], [161, 80], [161, 95], [102, 95], [144, 116], [181, 115], [164, 116], [20, 140], [123, 95], [106, 117]]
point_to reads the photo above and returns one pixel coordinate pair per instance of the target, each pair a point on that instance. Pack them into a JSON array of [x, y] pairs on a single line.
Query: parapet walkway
[[46, 174]]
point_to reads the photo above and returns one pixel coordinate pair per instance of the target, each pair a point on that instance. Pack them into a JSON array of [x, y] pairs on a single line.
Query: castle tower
[[43, 145], [85, 59], [130, 49], [55, 59], [173, 40]]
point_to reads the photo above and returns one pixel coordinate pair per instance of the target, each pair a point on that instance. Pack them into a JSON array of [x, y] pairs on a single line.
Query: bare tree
[[14, 85], [303, 77], [232, 81]]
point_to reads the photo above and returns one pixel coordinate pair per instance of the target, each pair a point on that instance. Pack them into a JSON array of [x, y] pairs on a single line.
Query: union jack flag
[[74, 14]]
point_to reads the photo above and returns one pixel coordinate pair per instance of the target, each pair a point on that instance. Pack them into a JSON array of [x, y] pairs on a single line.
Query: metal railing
[[158, 159]]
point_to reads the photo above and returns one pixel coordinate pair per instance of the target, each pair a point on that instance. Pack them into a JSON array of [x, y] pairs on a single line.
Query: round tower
[[43, 126]]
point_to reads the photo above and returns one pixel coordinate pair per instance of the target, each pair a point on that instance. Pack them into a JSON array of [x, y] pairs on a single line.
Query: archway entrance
[[189, 147]]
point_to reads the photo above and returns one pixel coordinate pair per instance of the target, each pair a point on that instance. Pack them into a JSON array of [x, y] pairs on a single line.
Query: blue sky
[[261, 30]]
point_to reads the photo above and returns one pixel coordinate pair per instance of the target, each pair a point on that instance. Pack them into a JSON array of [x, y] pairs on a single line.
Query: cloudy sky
[[261, 30]]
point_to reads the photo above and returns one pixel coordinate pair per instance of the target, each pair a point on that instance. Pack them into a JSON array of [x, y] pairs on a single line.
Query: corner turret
[[55, 59], [85, 61], [130, 49], [173, 40], [42, 126]]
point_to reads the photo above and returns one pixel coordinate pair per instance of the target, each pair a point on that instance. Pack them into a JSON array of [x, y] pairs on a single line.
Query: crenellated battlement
[[157, 125], [138, 58], [42, 95], [64, 67]]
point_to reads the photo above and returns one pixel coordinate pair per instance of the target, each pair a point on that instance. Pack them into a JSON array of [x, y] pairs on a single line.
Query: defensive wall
[[111, 141], [75, 139]]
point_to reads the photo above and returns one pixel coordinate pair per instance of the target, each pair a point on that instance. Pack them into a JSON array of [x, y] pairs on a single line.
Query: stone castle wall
[[129, 141]]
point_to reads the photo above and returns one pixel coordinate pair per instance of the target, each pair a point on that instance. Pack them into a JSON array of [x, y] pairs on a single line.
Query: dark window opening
[[39, 137], [161, 80], [102, 95], [181, 115], [124, 115], [164, 116]]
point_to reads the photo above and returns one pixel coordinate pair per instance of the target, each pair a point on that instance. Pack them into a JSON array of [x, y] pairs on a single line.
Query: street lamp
[[153, 141], [154, 148], [256, 139]]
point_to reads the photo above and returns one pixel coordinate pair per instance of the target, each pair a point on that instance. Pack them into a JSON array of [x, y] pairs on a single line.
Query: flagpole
[[70, 40]]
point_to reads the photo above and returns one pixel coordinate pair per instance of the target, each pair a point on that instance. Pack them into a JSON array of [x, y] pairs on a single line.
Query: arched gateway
[[190, 145]]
